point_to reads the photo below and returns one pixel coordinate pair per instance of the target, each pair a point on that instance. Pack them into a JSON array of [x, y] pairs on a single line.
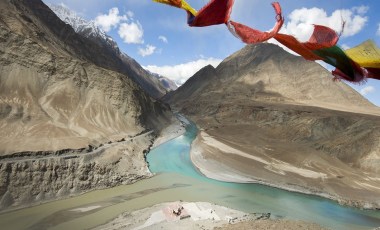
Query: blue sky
[[158, 37]]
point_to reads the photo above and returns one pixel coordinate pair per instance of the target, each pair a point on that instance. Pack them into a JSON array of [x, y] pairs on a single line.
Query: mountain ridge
[[148, 81], [53, 30], [258, 82]]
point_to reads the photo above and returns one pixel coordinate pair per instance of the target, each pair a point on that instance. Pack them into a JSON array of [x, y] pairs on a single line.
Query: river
[[177, 179], [259, 198]]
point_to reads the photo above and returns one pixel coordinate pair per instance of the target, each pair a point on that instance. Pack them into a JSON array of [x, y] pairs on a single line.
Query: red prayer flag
[[214, 13], [373, 73], [322, 37], [249, 35]]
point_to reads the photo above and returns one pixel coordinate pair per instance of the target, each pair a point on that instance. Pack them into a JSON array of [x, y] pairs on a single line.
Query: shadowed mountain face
[[289, 114]]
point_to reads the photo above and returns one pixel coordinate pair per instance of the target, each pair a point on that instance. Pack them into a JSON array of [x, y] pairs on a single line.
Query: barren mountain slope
[[46, 93], [271, 117], [67, 125], [192, 87], [265, 72]]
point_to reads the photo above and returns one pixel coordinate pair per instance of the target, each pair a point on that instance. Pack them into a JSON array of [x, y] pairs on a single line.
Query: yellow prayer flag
[[180, 4], [366, 54], [187, 7]]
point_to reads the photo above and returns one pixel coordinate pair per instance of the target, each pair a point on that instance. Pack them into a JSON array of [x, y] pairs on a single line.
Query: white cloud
[[301, 21], [367, 90], [345, 46], [361, 9], [180, 73], [130, 14], [163, 39], [110, 20], [131, 32], [148, 50], [378, 30], [63, 5]]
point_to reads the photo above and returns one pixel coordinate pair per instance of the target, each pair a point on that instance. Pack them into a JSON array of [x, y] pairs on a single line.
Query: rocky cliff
[[290, 123], [61, 99]]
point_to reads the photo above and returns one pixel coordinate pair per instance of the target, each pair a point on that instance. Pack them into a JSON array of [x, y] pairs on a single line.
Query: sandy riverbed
[[198, 215], [174, 130]]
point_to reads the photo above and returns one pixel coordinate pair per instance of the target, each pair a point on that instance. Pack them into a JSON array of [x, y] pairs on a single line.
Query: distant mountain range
[[153, 83]]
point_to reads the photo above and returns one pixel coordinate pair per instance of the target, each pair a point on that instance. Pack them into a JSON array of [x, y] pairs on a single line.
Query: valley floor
[[95, 208]]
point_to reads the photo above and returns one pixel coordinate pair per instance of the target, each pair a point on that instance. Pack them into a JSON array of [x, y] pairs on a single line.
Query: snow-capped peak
[[169, 84], [90, 30], [82, 26]]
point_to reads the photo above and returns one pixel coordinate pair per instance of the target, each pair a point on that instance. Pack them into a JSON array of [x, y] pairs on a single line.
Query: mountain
[[166, 82], [86, 28], [192, 87], [72, 117], [148, 81], [274, 118], [267, 73]]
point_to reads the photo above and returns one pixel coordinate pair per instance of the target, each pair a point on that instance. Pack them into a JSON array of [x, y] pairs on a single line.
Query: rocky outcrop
[[27, 180]]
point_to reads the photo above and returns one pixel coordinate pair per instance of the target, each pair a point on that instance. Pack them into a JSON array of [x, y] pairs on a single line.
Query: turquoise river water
[[174, 157], [177, 179]]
